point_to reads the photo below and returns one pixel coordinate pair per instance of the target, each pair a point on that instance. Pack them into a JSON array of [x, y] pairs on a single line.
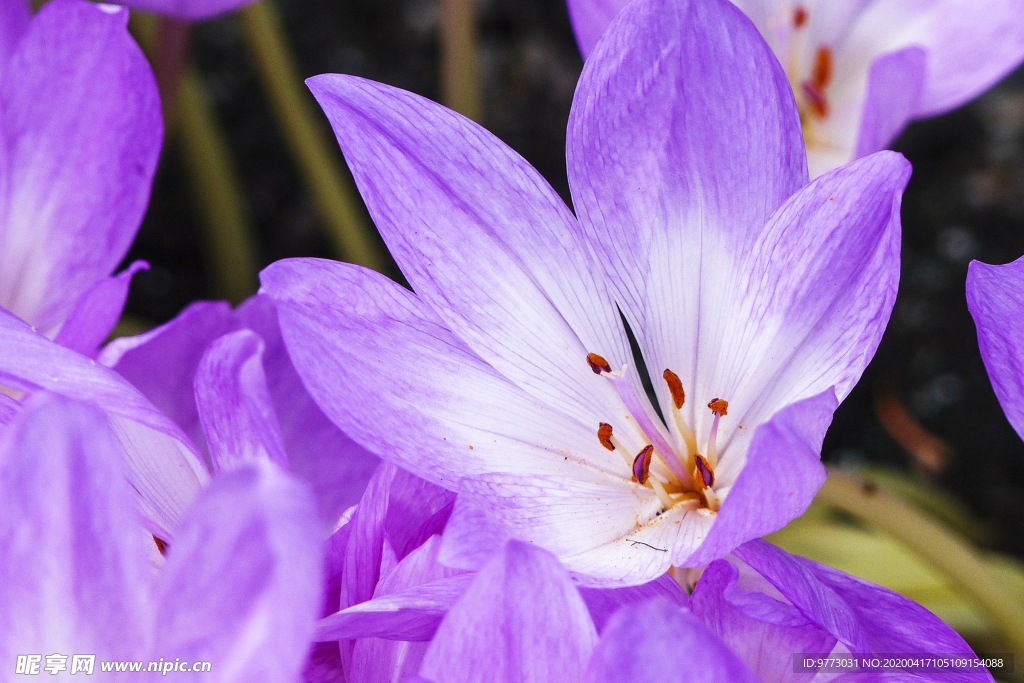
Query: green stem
[[331, 190], [215, 183], [947, 552], [460, 82]]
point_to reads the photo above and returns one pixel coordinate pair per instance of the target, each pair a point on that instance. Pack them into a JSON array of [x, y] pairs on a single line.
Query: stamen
[[604, 435], [675, 387], [666, 500], [642, 465], [799, 17], [821, 76], [624, 388], [707, 475], [718, 408], [717, 405], [598, 364]]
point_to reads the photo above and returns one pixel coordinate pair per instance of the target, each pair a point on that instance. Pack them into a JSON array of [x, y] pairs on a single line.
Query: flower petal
[[970, 46], [659, 636], [778, 482], [162, 362], [80, 165], [763, 631], [483, 239], [191, 10], [72, 555], [895, 84], [589, 20], [336, 467], [234, 404], [161, 463], [808, 305], [604, 602], [426, 402], [97, 311], [864, 617], [995, 297], [683, 139], [243, 580], [14, 18], [520, 621]]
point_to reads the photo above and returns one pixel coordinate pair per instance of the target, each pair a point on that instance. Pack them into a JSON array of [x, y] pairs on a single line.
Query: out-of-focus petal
[[234, 404], [895, 83], [97, 311], [970, 45], [589, 20], [659, 636], [81, 116], [778, 482], [243, 580], [995, 297], [161, 463], [520, 621], [763, 631], [72, 555], [483, 239]]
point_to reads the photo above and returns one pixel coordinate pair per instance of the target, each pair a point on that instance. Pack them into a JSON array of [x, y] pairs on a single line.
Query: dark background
[[965, 201]]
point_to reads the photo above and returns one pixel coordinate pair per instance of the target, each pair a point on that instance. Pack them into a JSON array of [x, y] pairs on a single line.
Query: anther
[[675, 387], [719, 406], [799, 17], [604, 435], [598, 364], [821, 76], [642, 464], [704, 471]]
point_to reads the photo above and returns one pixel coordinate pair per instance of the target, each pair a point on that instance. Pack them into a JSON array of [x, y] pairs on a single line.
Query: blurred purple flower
[[861, 70], [995, 297], [81, 132], [755, 298], [240, 586], [226, 379]]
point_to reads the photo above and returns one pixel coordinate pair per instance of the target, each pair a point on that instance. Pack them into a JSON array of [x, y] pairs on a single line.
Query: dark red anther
[[822, 74], [675, 387], [598, 364], [799, 16], [161, 545], [707, 475], [642, 464], [719, 406], [604, 435]]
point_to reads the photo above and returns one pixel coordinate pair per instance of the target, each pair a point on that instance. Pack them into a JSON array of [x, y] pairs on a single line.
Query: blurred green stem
[[217, 189], [951, 555], [331, 190], [227, 236], [460, 82]]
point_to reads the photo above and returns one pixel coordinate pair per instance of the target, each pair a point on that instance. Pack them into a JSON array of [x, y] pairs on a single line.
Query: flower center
[[678, 473]]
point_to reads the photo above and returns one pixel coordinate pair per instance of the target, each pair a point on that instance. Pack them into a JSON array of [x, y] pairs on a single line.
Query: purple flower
[[755, 298], [226, 379], [995, 297], [523, 620], [240, 586], [81, 130], [862, 70]]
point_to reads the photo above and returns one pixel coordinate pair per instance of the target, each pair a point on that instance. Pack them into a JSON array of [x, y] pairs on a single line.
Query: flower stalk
[[460, 81], [331, 190]]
